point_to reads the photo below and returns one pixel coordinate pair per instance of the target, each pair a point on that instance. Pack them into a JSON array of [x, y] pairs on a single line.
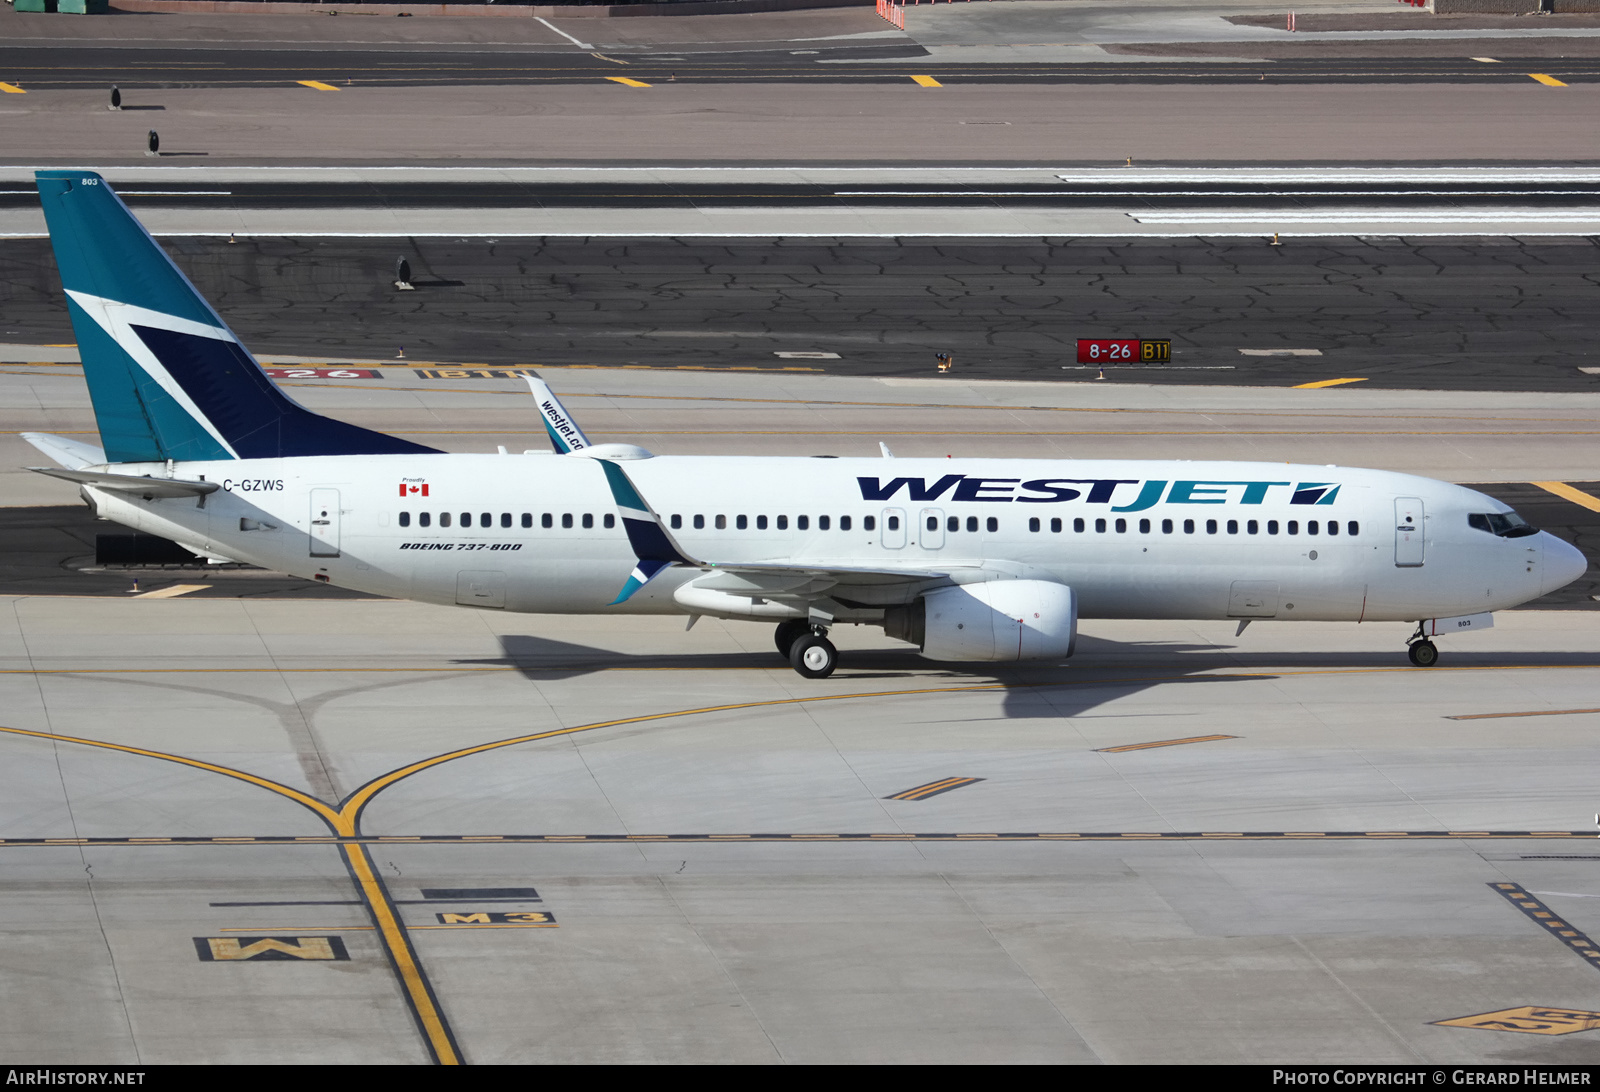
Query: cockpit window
[[1504, 524]]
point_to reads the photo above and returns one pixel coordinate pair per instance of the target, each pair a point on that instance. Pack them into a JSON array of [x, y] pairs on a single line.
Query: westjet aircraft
[[968, 559]]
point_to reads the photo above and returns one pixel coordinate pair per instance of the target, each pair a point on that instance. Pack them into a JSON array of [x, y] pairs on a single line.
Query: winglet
[[651, 542], [564, 432]]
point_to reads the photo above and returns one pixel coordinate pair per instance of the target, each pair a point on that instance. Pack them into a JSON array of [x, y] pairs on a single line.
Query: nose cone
[[1563, 563]]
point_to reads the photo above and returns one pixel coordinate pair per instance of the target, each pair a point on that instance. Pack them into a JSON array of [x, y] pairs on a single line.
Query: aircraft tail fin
[[168, 379]]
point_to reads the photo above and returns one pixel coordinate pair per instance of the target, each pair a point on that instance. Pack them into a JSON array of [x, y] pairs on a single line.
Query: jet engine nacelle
[[1000, 620]]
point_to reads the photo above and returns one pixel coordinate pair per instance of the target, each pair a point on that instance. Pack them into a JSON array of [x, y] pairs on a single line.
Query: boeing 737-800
[[968, 559]]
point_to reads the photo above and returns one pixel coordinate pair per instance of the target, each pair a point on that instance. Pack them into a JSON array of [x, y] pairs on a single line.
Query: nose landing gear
[[1421, 651], [807, 648]]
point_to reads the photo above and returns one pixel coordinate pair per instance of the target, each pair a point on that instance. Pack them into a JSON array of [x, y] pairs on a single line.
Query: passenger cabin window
[[466, 519], [547, 521], [822, 523], [677, 523], [993, 524], [761, 523], [1333, 527], [783, 523], [505, 519], [741, 523], [933, 523], [1144, 527], [1099, 526], [953, 523], [1122, 526], [1272, 526], [1233, 527], [611, 519], [487, 520], [1188, 526], [1294, 527], [1353, 528], [1252, 527], [699, 523], [405, 519], [1311, 527], [1077, 525], [844, 523], [588, 520], [444, 519], [566, 519], [1055, 526], [802, 523], [527, 519], [869, 523], [972, 524], [1033, 523], [1166, 527], [892, 523]]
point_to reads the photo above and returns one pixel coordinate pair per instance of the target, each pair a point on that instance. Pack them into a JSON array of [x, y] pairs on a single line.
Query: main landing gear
[[807, 648], [1421, 651]]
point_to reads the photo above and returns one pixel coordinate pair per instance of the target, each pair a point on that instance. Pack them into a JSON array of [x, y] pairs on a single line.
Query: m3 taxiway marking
[[1528, 1019]]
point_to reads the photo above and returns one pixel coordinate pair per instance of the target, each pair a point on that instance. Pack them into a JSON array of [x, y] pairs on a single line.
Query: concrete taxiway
[[1182, 845]]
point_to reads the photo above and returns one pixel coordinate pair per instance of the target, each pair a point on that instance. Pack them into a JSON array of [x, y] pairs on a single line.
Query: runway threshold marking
[[934, 788], [926, 81], [1567, 492], [1327, 383], [1542, 915], [171, 593], [1159, 743], [627, 82], [1548, 81], [1524, 713], [316, 85], [12, 89]]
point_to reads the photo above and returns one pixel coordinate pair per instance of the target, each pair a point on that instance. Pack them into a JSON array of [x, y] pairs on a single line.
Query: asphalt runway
[[184, 66], [1469, 314]]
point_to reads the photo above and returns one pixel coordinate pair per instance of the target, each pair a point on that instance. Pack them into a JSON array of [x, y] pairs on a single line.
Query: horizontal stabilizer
[[72, 454], [129, 483]]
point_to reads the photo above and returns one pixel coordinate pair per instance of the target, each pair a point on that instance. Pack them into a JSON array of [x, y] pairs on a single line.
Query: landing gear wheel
[[814, 656], [1423, 653], [788, 633]]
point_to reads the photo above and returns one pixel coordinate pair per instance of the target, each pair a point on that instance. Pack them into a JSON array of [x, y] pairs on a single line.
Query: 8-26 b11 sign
[[1123, 350]]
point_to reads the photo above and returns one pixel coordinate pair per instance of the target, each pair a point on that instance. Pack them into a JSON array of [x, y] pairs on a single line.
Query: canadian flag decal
[[420, 490]]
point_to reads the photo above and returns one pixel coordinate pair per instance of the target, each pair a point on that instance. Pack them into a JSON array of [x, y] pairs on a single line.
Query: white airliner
[[968, 559]]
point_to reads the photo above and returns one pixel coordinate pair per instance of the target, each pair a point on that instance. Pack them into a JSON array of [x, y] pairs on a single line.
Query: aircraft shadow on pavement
[[1101, 671]]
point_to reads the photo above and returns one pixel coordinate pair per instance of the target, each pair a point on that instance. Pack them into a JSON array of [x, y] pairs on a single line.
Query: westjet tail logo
[[1124, 494], [413, 487]]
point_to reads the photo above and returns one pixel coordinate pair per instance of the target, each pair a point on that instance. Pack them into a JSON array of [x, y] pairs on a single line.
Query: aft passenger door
[[930, 529], [324, 523], [1408, 532]]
